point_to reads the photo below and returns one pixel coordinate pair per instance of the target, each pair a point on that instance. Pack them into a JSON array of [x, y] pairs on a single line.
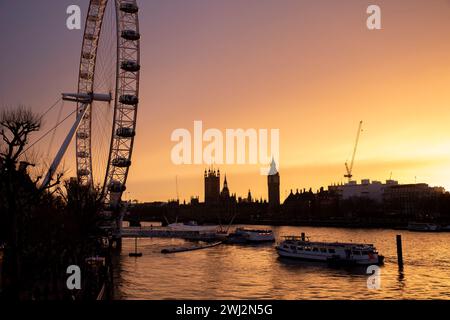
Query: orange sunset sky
[[309, 68]]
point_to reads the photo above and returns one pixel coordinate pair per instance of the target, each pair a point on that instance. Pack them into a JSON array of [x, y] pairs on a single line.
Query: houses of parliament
[[215, 196], [368, 204]]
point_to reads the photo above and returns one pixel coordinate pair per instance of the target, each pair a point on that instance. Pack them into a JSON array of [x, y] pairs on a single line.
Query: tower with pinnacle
[[212, 186], [273, 182]]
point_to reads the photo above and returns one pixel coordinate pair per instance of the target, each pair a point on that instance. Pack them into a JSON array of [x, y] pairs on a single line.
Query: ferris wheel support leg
[[56, 162]]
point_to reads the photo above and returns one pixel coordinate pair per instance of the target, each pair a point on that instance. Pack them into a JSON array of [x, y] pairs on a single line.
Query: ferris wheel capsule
[[129, 99], [84, 172], [88, 55], [116, 186], [131, 66], [90, 37], [82, 154], [125, 132], [130, 35], [129, 7], [121, 162], [82, 135]]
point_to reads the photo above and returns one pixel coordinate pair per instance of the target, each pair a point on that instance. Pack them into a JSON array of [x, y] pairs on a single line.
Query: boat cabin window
[[365, 253], [331, 251], [323, 250], [300, 248], [293, 247], [315, 249]]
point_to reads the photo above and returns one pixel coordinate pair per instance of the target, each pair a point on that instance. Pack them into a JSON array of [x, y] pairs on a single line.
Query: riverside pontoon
[[193, 226]]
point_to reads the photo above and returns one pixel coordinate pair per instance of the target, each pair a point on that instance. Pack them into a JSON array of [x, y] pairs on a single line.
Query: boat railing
[[296, 238], [360, 246]]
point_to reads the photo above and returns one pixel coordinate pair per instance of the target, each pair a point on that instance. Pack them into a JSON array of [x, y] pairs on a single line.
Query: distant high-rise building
[[273, 181], [212, 186]]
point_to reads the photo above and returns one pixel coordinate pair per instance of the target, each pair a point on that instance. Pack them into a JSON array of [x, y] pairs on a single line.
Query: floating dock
[[163, 232]]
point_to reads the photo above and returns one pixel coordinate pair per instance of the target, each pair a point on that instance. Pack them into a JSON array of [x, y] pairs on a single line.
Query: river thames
[[256, 272]]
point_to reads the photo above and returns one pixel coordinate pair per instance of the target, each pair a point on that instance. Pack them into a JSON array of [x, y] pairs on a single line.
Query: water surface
[[256, 272]]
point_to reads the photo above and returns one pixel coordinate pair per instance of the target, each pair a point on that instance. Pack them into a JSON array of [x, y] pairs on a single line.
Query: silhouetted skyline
[[308, 68]]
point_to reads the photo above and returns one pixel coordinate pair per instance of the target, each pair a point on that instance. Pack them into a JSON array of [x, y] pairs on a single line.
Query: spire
[[273, 168], [225, 191]]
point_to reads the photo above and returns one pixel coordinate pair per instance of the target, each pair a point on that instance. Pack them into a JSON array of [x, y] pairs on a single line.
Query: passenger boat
[[245, 235], [332, 253], [424, 227]]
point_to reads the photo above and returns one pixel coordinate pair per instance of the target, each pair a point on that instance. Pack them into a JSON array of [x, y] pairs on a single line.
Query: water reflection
[[256, 272]]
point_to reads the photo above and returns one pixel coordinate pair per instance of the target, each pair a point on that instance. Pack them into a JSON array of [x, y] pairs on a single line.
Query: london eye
[[107, 98]]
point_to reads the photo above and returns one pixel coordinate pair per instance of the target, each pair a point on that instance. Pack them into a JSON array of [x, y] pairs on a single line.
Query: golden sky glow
[[308, 68]]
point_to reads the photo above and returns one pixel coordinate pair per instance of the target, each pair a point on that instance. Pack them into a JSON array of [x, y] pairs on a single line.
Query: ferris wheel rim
[[126, 93]]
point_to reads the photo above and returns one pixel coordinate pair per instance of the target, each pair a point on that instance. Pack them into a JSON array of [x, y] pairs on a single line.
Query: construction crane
[[348, 167]]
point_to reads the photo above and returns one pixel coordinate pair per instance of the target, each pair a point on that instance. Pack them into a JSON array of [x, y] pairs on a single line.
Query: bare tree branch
[[16, 125]]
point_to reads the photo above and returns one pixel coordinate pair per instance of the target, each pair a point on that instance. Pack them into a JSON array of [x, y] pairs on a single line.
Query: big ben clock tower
[[273, 181]]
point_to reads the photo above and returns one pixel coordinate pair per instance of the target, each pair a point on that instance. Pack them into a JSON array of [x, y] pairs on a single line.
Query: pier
[[164, 232]]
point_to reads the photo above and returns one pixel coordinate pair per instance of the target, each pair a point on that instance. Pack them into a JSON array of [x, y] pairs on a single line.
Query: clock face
[[274, 178]]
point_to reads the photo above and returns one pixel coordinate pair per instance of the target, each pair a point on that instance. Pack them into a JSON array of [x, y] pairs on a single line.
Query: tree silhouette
[[16, 126]]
